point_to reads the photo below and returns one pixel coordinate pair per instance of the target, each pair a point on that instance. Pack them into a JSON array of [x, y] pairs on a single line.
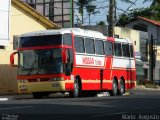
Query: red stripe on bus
[[111, 39]]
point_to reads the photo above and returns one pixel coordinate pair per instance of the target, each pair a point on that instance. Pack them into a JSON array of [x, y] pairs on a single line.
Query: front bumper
[[51, 86]]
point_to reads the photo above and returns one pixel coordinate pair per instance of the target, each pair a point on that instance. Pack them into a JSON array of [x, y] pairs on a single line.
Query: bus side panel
[[107, 81], [129, 76], [107, 72], [132, 79], [90, 78]]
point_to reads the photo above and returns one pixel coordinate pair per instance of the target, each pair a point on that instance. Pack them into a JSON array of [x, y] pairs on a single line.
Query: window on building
[[89, 46], [99, 47], [79, 44], [2, 47]]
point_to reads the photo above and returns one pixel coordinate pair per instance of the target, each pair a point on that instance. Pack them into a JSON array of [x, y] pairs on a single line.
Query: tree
[[144, 12], [101, 23], [91, 11], [112, 6], [81, 4], [154, 2]]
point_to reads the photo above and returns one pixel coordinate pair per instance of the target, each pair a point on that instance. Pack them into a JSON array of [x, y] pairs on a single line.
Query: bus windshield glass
[[47, 40], [32, 62]]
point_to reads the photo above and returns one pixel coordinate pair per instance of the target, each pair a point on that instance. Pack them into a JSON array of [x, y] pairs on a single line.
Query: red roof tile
[[157, 23]]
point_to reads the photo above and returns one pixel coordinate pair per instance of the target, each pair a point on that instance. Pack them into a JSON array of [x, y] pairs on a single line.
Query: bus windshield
[[46, 40], [34, 62]]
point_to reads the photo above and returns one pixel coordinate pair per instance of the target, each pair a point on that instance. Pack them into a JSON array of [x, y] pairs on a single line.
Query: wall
[[133, 35]]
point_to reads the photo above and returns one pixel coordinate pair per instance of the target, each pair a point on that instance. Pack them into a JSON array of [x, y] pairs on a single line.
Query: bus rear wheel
[[114, 90], [121, 87], [37, 95]]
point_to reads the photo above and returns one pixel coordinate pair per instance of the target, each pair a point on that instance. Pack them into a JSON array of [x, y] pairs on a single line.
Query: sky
[[102, 7]]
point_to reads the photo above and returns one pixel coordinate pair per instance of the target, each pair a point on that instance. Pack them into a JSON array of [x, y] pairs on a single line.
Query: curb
[[142, 87]]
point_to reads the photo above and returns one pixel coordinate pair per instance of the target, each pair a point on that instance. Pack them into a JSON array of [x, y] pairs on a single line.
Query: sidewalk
[[15, 97], [147, 87]]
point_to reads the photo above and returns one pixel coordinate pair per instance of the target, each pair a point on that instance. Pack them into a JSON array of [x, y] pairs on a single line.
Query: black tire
[[71, 94], [121, 90], [114, 90], [37, 95], [77, 88], [46, 94]]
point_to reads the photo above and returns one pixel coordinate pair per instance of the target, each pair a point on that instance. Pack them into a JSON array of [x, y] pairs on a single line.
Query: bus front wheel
[[77, 89], [37, 95]]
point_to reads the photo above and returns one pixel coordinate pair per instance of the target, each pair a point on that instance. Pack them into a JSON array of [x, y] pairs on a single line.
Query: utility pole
[[111, 18], [72, 13], [151, 60]]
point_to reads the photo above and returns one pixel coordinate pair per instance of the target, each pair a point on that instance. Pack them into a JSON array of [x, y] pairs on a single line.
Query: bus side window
[[131, 51], [125, 48], [89, 46], [67, 39], [79, 44], [117, 49], [99, 47], [108, 46]]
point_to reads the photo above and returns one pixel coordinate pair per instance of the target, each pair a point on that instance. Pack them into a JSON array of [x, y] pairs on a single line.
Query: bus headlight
[[22, 81], [57, 79], [23, 87]]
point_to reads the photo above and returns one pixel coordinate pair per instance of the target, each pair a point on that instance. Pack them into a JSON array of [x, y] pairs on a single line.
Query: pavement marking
[[109, 114], [16, 107], [3, 99]]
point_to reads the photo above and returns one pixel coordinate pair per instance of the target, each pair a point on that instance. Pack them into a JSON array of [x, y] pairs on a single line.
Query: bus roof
[[75, 31], [123, 40]]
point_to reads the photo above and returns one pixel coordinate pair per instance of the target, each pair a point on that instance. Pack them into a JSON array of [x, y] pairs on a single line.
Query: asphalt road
[[139, 105]]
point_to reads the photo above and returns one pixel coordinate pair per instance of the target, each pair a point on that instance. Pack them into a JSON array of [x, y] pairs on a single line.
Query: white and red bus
[[74, 60]]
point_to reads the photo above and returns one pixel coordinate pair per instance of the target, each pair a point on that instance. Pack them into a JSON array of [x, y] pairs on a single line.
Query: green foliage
[[154, 2], [82, 4], [90, 8], [152, 12], [101, 23]]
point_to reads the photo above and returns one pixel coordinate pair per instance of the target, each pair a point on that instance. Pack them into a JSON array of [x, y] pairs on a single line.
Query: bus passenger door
[[68, 62]]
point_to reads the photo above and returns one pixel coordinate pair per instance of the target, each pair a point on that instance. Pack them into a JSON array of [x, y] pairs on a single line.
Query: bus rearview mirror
[[12, 59], [64, 56]]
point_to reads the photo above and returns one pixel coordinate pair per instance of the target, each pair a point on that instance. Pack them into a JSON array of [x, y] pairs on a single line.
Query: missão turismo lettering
[[91, 61]]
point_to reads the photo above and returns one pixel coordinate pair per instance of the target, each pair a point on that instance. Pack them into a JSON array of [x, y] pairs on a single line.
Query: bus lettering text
[[97, 62], [87, 60]]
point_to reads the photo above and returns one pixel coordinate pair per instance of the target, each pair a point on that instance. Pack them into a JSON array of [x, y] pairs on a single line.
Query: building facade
[[58, 11], [152, 27]]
